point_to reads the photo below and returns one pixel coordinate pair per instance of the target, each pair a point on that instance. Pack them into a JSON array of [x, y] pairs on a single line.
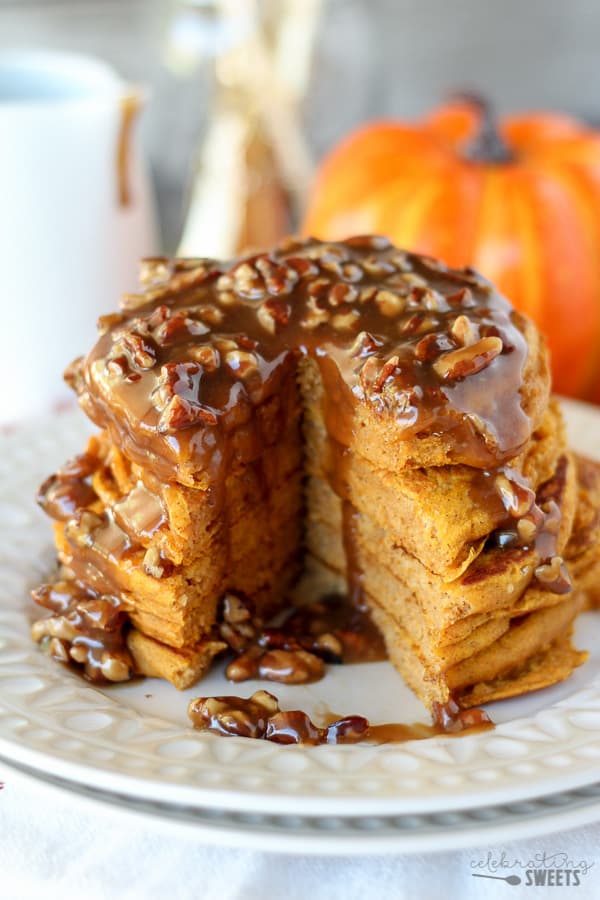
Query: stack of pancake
[[463, 615], [359, 416], [169, 552]]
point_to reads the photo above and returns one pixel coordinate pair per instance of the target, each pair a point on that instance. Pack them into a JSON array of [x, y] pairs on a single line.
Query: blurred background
[[371, 58]]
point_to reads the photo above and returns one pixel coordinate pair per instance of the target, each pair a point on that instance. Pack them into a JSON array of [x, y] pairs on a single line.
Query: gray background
[[372, 58]]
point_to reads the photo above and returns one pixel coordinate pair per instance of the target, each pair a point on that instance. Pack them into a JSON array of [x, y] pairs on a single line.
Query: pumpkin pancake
[[351, 413]]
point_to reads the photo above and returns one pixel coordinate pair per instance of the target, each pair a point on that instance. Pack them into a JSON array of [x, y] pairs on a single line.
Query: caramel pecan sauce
[[176, 375], [260, 717]]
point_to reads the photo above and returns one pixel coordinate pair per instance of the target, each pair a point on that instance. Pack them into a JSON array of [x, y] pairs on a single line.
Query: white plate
[[134, 739], [334, 835]]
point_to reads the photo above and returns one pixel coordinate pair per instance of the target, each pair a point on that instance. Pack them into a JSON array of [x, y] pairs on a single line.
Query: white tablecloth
[[55, 845]]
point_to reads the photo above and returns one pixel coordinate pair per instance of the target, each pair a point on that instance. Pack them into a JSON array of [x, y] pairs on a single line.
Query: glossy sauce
[[260, 717], [125, 390]]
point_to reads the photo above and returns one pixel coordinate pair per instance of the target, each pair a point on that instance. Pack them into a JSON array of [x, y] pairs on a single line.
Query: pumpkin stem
[[487, 146]]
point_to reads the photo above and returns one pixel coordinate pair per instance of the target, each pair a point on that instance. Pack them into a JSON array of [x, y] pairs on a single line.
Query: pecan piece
[[554, 576], [345, 321], [377, 267], [517, 499], [303, 267], [368, 242], [180, 413], [141, 351], [243, 364], [105, 323], [207, 356], [73, 375], [315, 315], [293, 727], [152, 563], [430, 346], [468, 360], [365, 344], [389, 303], [279, 278], [273, 313], [234, 715], [374, 378], [342, 293], [291, 666], [463, 297], [352, 272], [155, 270], [463, 330], [239, 626]]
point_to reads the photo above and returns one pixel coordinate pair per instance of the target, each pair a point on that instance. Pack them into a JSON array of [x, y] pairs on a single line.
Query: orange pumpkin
[[520, 203]]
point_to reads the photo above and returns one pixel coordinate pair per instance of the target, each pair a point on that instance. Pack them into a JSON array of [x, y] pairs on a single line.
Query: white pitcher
[[76, 214]]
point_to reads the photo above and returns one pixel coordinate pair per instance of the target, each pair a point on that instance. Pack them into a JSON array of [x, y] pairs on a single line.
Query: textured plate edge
[[95, 778], [368, 843]]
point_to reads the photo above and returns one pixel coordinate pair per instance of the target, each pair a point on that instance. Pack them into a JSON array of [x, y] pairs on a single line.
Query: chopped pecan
[[155, 270], [239, 626], [365, 344], [554, 576], [342, 293], [105, 323], [234, 715], [131, 302], [292, 727], [463, 297], [517, 499], [328, 253], [243, 364], [303, 267], [417, 323], [430, 346], [367, 293], [140, 349], [346, 321], [117, 366], [368, 242], [468, 360], [319, 288], [387, 370], [73, 375], [207, 356], [211, 315], [352, 272], [180, 413], [290, 666], [377, 267], [315, 315], [279, 278], [389, 303], [152, 563], [273, 314], [463, 330]]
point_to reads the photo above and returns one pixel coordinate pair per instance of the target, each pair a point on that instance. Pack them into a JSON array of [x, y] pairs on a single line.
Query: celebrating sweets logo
[[541, 870]]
